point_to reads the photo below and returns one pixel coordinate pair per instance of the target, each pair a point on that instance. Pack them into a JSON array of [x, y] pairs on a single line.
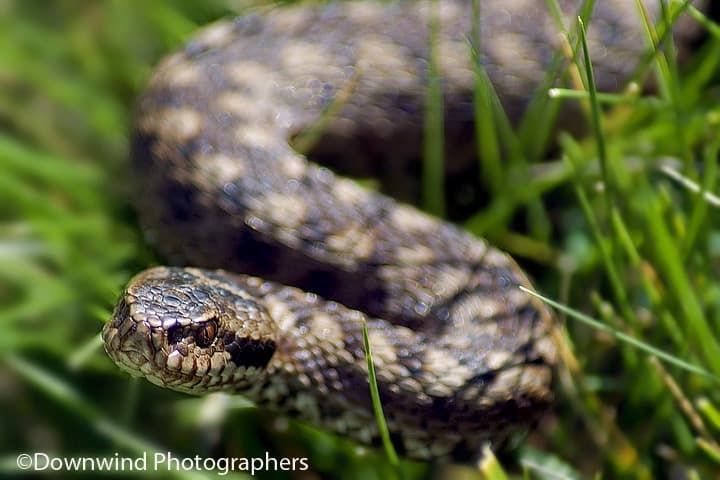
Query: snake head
[[183, 330]]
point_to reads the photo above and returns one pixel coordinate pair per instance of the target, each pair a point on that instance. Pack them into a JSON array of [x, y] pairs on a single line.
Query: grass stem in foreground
[[377, 405]]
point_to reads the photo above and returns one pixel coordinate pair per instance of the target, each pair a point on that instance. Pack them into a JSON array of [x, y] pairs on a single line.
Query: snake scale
[[463, 356]]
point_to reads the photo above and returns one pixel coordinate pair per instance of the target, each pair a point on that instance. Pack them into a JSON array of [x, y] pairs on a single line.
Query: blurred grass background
[[642, 256]]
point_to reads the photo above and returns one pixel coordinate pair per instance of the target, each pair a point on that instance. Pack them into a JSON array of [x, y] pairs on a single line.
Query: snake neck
[[434, 388]]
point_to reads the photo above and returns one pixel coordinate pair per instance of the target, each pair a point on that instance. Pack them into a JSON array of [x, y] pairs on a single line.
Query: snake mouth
[[178, 357], [187, 338], [128, 341]]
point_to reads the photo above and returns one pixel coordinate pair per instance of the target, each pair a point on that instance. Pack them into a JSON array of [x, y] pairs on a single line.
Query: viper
[[279, 262]]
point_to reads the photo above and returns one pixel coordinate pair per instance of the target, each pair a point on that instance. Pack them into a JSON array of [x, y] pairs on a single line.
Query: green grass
[[600, 224]]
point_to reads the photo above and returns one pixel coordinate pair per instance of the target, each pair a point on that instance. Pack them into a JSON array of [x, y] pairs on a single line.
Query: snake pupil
[[203, 333]]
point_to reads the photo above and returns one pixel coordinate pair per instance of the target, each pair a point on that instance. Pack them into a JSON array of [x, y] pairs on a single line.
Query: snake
[[277, 263]]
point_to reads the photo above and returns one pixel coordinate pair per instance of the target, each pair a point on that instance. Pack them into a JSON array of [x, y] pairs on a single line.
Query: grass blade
[[634, 342], [377, 404]]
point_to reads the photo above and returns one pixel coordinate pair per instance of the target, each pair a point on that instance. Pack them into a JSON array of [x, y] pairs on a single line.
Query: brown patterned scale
[[462, 355]]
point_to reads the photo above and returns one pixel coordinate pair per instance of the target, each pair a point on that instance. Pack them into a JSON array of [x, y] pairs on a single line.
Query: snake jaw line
[[188, 339]]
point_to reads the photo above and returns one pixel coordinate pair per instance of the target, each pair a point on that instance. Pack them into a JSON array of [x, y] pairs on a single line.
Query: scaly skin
[[463, 356]]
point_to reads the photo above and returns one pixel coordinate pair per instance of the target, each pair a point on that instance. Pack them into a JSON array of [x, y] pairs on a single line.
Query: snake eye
[[203, 333]]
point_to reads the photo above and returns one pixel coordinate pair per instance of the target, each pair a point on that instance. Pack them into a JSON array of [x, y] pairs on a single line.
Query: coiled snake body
[[462, 355]]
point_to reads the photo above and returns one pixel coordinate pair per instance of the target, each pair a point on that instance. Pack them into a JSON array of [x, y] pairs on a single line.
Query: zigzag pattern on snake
[[462, 355]]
